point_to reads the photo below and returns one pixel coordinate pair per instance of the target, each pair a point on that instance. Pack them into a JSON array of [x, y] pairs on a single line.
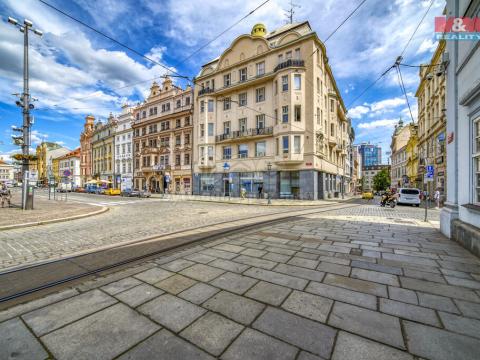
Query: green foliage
[[381, 181]]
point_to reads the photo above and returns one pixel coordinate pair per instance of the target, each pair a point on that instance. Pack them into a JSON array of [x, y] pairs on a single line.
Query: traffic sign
[[430, 171], [66, 173], [226, 166]]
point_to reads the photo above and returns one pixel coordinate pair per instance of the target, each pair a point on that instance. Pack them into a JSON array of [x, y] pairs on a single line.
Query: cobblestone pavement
[[335, 285], [139, 219], [44, 210]]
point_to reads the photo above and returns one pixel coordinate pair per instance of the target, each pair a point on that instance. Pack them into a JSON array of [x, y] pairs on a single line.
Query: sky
[[75, 72]]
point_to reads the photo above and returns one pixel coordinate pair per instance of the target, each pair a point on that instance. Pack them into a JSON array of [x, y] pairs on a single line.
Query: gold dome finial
[[259, 30]]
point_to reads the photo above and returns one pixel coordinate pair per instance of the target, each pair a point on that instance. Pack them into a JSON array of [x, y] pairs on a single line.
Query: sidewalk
[[44, 211], [251, 201], [335, 285]]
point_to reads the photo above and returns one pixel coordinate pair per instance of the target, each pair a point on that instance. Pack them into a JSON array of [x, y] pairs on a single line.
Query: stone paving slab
[[16, 342], [274, 293]]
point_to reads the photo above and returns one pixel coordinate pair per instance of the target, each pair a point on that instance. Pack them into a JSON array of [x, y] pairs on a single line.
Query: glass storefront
[[251, 181], [207, 182], [289, 184]]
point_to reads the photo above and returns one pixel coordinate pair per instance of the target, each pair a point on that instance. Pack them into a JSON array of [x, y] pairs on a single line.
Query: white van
[[409, 196]]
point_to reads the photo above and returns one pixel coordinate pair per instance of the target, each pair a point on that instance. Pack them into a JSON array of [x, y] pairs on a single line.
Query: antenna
[[291, 11]]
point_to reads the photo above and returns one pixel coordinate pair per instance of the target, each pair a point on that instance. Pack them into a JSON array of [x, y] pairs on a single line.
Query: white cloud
[[358, 111], [384, 123], [387, 104], [427, 45], [37, 137]]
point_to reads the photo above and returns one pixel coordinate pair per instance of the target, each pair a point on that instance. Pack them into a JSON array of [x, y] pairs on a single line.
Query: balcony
[[289, 63], [206, 91], [252, 133], [206, 163], [332, 141]]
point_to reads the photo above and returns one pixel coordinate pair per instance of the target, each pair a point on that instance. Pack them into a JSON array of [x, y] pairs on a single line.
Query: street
[[358, 283]]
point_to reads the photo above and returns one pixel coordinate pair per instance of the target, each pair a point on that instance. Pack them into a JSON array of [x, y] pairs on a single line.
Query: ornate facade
[[103, 150], [432, 120], [162, 139], [269, 118], [86, 150], [123, 149]]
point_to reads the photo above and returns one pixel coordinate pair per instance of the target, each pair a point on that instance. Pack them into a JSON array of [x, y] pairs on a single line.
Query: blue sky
[[75, 72]]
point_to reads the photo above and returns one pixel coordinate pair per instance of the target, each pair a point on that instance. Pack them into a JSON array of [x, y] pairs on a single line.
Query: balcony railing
[[205, 91], [289, 63], [241, 134]]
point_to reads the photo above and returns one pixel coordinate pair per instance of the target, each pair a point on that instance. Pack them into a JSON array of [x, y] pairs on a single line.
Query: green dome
[[259, 30]]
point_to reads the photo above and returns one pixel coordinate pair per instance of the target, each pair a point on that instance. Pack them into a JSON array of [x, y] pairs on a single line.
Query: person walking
[[243, 193], [260, 191], [436, 196]]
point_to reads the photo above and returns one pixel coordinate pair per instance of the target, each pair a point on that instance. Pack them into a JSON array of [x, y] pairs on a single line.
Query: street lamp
[[269, 167], [24, 103]]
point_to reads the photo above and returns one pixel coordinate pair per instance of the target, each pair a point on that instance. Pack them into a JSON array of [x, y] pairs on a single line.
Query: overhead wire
[[157, 77]]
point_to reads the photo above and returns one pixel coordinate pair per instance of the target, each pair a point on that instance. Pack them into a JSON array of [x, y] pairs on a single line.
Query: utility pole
[[291, 11], [25, 104]]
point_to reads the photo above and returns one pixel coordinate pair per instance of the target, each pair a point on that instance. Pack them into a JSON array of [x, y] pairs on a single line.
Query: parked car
[[112, 192], [129, 193], [367, 195], [409, 196], [144, 194]]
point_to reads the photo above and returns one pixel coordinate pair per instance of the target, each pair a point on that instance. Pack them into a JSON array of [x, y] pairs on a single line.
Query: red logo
[[456, 24]]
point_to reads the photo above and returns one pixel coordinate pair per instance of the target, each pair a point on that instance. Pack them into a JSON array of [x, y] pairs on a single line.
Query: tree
[[381, 181]]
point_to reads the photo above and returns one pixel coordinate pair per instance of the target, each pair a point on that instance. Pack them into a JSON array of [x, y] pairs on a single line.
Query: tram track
[[19, 282]]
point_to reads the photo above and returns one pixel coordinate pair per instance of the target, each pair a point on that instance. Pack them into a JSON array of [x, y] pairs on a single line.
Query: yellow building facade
[[103, 164], [412, 157], [269, 118], [432, 120]]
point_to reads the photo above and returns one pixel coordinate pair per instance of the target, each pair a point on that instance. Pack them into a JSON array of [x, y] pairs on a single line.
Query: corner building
[[268, 114]]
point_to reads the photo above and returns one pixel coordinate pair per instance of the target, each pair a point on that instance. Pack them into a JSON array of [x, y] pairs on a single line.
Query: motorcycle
[[390, 201]]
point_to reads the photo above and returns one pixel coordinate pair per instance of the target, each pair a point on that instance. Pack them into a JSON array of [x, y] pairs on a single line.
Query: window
[[297, 82], [297, 54], [285, 83], [210, 129], [280, 58], [144, 114], [277, 146], [260, 148], [118, 149], [275, 114], [476, 161], [178, 123], [242, 125], [207, 182], [226, 80], [227, 152], [202, 130], [226, 127], [296, 144], [179, 103], [202, 106], [332, 105], [177, 160], [123, 148], [155, 110], [129, 148], [298, 113], [227, 103], [260, 121], [210, 105], [210, 153], [243, 74], [318, 85], [186, 159], [178, 140], [186, 139], [187, 101], [260, 68], [187, 121], [260, 94], [285, 144], [288, 55], [332, 130], [319, 117], [242, 151], [285, 114], [242, 99]]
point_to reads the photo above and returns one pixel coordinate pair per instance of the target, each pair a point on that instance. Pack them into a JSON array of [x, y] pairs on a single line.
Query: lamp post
[[25, 103], [269, 197]]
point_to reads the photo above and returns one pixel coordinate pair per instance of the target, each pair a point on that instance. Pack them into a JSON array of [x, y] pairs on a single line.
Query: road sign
[[430, 171], [226, 166], [66, 173]]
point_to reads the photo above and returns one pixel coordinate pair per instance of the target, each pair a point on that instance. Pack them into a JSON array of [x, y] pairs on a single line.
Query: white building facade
[[460, 218], [123, 149], [69, 168]]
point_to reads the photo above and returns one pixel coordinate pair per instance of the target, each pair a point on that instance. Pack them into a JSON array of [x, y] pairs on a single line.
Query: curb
[[45, 222]]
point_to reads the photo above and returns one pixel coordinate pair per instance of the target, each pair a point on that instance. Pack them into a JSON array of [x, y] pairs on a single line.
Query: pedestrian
[[436, 196], [260, 191], [243, 192]]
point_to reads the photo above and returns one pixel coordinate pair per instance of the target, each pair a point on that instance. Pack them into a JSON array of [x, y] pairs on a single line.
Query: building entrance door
[[226, 187]]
